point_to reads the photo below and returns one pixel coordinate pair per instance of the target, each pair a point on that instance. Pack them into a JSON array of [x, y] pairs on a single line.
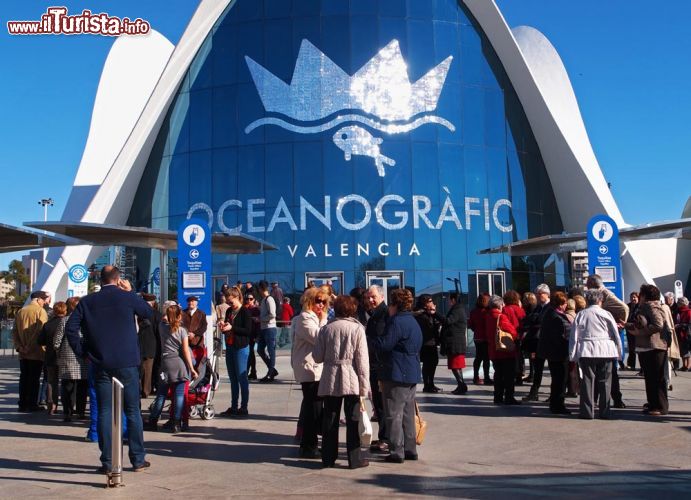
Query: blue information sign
[[603, 252], [194, 263]]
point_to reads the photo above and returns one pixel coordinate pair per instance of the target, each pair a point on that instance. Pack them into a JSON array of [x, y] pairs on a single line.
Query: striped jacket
[[70, 367]]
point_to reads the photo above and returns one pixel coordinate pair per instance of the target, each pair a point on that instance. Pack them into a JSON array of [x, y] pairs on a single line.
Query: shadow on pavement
[[627, 484], [52, 467]]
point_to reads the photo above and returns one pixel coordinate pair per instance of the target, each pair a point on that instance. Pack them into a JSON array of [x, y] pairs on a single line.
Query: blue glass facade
[[359, 81]]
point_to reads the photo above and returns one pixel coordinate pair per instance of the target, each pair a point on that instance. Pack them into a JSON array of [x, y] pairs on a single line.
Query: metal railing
[[114, 477]]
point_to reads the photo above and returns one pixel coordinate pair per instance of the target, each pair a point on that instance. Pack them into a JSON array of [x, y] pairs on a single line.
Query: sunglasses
[[319, 301], [249, 299]]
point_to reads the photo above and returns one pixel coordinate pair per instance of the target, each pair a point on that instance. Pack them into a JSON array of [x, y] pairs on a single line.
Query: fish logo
[[378, 97]]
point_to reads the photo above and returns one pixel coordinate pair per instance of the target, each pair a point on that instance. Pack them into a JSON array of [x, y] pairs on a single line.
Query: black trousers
[[429, 355], [616, 388], [558, 371], [538, 369], [378, 404], [30, 371], [252, 360], [631, 358], [653, 365], [74, 394], [520, 362], [504, 379], [481, 357], [330, 421], [311, 412]]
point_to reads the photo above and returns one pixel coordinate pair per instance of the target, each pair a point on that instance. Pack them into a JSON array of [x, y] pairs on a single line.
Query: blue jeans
[[267, 339], [236, 363], [162, 393], [135, 434], [92, 433]]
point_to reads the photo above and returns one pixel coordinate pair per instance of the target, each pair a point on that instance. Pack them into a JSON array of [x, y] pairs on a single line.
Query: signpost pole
[[604, 256]]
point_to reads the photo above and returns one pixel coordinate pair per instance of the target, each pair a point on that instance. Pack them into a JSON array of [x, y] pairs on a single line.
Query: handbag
[[365, 427], [503, 341], [420, 426]]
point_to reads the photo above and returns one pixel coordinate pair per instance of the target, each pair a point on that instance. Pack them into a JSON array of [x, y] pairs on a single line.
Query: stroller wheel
[[194, 411], [208, 413]]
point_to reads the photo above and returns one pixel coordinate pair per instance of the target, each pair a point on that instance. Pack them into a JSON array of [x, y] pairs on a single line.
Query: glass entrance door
[[335, 279], [217, 282], [388, 280], [491, 282]]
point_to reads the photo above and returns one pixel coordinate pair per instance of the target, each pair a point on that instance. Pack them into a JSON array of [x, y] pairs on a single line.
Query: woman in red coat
[[504, 361], [516, 315]]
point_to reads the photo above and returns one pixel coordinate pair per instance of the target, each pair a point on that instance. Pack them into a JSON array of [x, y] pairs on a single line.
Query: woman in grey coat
[[593, 344], [71, 369], [342, 347]]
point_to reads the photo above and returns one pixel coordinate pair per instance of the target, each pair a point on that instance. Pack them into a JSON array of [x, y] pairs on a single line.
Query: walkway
[[473, 450]]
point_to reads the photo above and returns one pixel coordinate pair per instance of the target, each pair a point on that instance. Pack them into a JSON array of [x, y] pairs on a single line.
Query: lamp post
[[45, 202]]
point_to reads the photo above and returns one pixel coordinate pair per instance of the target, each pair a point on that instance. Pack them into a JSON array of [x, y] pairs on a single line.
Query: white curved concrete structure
[[130, 73], [106, 182], [543, 87]]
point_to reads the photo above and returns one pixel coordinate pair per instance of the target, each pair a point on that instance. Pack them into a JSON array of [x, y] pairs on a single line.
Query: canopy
[[571, 242], [145, 237], [20, 239]]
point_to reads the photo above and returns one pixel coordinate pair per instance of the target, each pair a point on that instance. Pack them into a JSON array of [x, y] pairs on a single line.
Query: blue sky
[[629, 62]]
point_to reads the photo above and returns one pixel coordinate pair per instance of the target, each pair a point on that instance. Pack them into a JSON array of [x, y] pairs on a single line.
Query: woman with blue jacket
[[399, 351]]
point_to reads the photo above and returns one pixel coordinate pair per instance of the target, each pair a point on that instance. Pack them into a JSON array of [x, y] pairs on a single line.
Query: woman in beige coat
[[305, 327], [342, 347]]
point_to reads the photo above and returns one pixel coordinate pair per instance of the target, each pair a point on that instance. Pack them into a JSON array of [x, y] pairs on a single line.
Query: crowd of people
[[345, 349]]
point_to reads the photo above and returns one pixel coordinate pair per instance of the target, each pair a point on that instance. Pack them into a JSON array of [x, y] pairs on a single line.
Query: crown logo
[[319, 88]]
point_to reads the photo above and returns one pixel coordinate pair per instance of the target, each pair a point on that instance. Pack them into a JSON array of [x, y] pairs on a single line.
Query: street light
[[457, 283], [46, 202]]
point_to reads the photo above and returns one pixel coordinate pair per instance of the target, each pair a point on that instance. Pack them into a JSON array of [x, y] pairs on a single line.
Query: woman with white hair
[[594, 342]]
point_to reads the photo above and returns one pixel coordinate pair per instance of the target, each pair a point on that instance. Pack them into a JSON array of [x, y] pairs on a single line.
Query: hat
[[192, 297], [149, 297], [169, 303]]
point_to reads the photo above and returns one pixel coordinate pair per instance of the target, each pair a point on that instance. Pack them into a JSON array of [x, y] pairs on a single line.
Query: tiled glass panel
[[294, 174]]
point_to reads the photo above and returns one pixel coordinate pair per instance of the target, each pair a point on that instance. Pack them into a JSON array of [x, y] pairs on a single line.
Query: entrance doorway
[[217, 282], [388, 280], [335, 279], [491, 282]]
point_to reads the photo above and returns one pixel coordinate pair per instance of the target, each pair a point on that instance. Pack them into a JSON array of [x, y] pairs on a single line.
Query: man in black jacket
[[532, 336], [107, 320], [378, 314], [148, 344]]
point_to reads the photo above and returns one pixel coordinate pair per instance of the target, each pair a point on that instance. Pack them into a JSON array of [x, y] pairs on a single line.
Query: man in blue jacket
[[107, 322]]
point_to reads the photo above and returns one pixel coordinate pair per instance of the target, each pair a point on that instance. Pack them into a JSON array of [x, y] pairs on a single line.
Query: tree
[[16, 275]]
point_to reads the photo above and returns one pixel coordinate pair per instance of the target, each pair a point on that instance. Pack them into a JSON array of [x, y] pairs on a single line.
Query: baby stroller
[[201, 390]]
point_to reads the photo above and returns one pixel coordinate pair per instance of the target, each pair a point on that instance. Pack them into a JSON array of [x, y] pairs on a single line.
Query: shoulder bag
[[503, 341], [420, 426]]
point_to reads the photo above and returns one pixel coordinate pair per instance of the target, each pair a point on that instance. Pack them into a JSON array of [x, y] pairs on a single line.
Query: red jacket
[[491, 329], [515, 314], [287, 314], [476, 322], [683, 318]]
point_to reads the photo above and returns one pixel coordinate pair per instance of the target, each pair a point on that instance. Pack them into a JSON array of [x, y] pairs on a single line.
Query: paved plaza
[[473, 450]]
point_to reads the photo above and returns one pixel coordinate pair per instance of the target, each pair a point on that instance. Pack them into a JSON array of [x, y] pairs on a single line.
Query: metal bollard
[[114, 477]]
